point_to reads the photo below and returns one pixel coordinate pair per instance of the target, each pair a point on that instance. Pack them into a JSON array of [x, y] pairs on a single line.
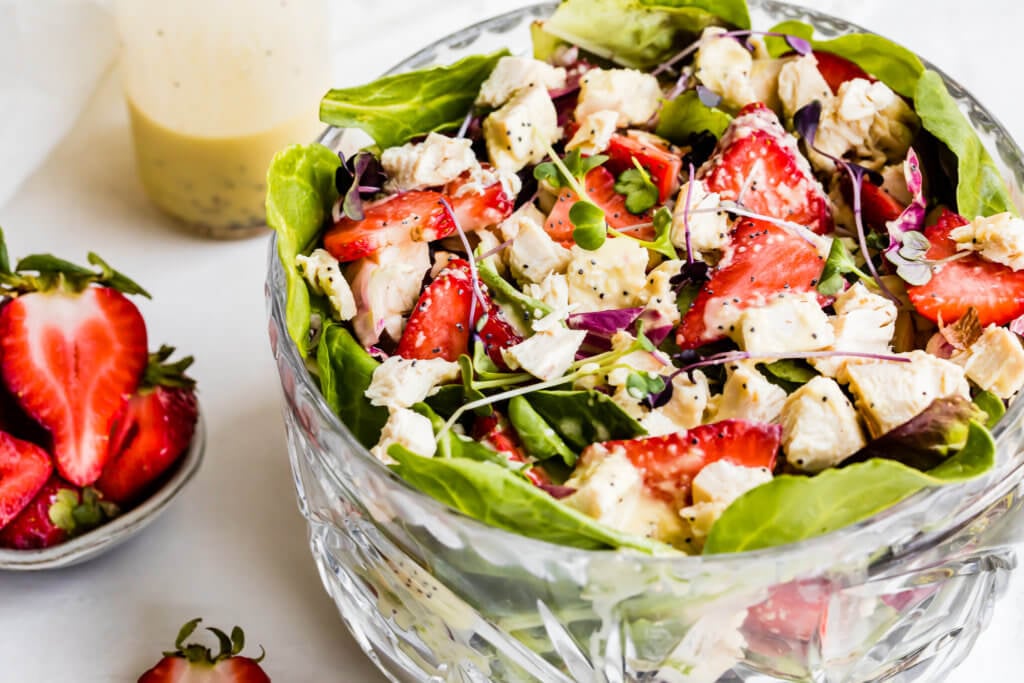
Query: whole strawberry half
[[58, 512], [72, 349], [195, 663], [24, 469], [152, 431]]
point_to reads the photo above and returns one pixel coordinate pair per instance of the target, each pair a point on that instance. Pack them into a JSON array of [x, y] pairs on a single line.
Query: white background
[[233, 548]]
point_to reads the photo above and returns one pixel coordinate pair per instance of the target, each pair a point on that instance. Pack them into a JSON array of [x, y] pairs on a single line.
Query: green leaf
[[5, 260], [469, 390], [346, 370], [452, 445], [686, 116], [539, 440], [839, 263], [794, 508], [300, 194], [501, 289], [993, 407], [788, 374], [590, 230], [496, 496], [640, 33], [584, 417], [395, 109], [640, 385], [545, 45], [115, 279], [548, 172], [893, 64], [641, 192], [980, 190]]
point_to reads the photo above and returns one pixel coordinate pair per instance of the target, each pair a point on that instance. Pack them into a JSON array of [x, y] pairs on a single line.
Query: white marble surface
[[233, 548]]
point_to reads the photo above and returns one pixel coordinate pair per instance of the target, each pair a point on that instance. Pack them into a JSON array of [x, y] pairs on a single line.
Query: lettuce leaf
[[499, 497], [584, 417], [686, 116], [980, 189], [794, 508], [539, 440], [300, 194], [893, 64], [640, 33], [395, 109], [346, 370]]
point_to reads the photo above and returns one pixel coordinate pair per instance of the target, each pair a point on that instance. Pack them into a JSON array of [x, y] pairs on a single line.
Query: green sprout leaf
[[641, 192], [839, 263], [590, 229], [640, 385]]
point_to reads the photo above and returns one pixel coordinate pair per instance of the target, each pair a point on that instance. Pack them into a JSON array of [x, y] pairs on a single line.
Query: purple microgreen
[[356, 179], [911, 221], [736, 356], [800, 46], [681, 85], [657, 327], [801, 231], [377, 353], [465, 124], [1017, 326], [556, 491], [497, 250], [687, 203], [708, 97], [604, 323], [806, 123]]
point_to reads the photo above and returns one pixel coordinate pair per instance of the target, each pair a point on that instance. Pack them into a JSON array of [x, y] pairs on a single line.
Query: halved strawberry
[[72, 359], [757, 163], [152, 431], [995, 290], [195, 663], [793, 613], [478, 210], [762, 260], [653, 153], [600, 187], [494, 431], [59, 511], [878, 207], [837, 70], [669, 463], [24, 469], [417, 216], [440, 325]]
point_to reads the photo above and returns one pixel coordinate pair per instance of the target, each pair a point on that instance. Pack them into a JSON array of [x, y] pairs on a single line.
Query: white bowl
[[118, 530]]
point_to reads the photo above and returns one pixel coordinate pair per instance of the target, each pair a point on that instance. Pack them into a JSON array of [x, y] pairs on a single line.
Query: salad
[[684, 287]]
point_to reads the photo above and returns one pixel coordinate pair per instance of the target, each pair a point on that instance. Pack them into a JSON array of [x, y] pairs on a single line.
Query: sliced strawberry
[[417, 216], [878, 207], [793, 613], [478, 210], [995, 290], [669, 463], [195, 663], [653, 153], [72, 359], [150, 434], [837, 70], [440, 325], [762, 260], [600, 187], [24, 469], [494, 431], [58, 512], [758, 164]]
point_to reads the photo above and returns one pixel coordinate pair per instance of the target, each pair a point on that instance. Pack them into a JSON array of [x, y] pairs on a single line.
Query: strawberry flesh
[[417, 216], [994, 290], [24, 469], [762, 260], [476, 210], [72, 360], [757, 164], [150, 434], [235, 669], [33, 528]]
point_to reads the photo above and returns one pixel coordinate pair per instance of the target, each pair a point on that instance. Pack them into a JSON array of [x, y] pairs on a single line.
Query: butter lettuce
[[639, 33], [686, 116], [395, 109], [346, 370]]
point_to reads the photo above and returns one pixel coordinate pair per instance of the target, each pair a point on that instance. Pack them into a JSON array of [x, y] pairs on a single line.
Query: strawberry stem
[[200, 654], [160, 373]]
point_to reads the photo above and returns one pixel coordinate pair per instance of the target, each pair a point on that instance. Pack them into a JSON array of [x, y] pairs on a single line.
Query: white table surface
[[233, 548]]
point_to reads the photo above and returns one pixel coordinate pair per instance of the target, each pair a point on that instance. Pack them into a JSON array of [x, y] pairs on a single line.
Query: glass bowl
[[430, 594]]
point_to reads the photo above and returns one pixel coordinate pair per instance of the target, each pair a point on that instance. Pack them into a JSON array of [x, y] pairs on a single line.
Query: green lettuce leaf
[[992, 406], [794, 508], [640, 33], [346, 370], [539, 439], [395, 109], [893, 64], [497, 496], [584, 417], [300, 194], [980, 189], [686, 116]]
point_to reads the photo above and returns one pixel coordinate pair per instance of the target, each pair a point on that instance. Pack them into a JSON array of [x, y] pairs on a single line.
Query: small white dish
[[118, 530]]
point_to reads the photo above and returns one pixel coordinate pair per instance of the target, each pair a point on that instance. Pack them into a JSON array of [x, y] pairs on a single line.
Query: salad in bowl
[[677, 288]]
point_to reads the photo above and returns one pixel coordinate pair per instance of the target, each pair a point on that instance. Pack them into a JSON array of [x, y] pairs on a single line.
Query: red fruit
[[495, 432], [440, 325], [758, 164], [793, 612], [762, 260], [653, 153], [600, 187], [417, 216], [837, 70], [194, 663], [669, 463], [478, 210], [58, 512], [995, 290], [72, 359], [24, 469], [878, 207], [153, 430]]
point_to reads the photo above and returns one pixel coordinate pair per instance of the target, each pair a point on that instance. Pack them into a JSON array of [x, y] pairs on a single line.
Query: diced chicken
[[800, 83], [610, 277], [864, 323], [998, 238], [436, 161], [748, 395], [401, 382], [547, 354], [386, 286], [708, 225], [820, 427], [595, 133], [512, 74], [323, 273], [995, 362], [532, 256], [633, 95], [724, 66], [715, 488], [787, 324], [408, 429], [521, 131]]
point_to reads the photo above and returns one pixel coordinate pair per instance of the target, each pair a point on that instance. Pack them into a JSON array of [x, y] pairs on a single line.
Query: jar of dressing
[[214, 88]]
